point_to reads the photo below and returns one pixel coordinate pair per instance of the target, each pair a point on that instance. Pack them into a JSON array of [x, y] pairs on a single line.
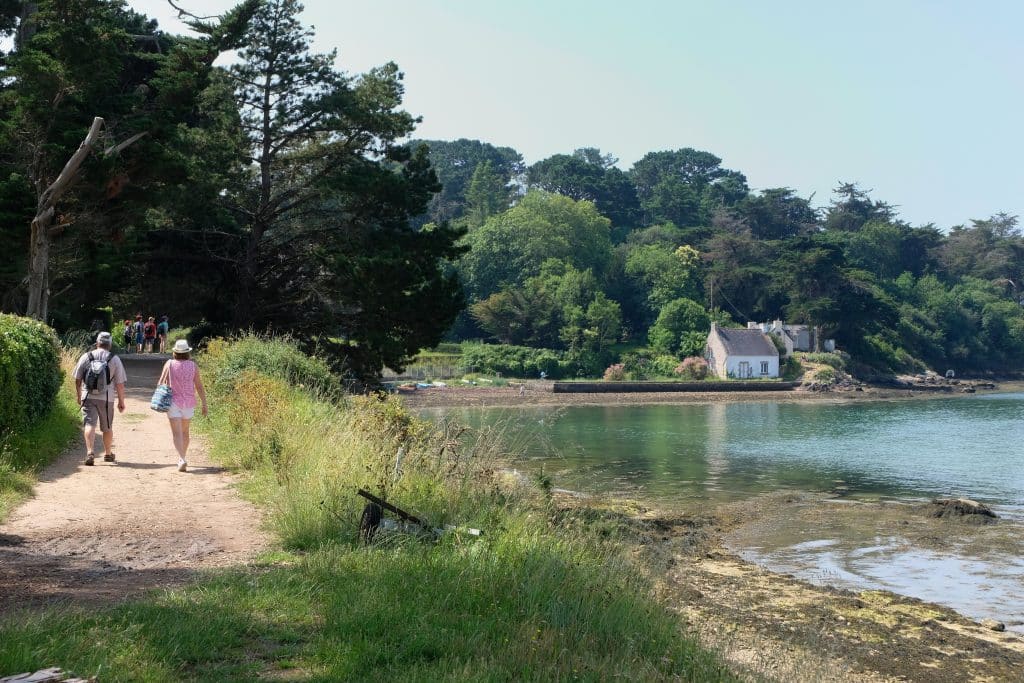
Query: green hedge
[[30, 373]]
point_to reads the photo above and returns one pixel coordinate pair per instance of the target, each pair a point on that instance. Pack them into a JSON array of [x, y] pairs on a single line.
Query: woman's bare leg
[[176, 435], [184, 437]]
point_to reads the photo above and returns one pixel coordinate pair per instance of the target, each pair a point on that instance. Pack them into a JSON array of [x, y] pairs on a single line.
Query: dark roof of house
[[746, 342]]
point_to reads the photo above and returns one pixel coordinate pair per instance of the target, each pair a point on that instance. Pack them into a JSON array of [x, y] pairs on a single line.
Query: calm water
[[965, 446], [969, 446]]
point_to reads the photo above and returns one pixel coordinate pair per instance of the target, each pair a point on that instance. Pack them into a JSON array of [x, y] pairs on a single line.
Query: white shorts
[[176, 413]]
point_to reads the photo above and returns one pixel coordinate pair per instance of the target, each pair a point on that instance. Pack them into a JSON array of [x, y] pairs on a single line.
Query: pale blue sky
[[919, 101]]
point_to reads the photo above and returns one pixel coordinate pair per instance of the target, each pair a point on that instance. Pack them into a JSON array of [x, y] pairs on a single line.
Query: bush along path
[[101, 533]]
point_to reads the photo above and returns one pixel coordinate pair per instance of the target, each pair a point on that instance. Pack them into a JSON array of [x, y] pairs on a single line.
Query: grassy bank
[[26, 452], [539, 596]]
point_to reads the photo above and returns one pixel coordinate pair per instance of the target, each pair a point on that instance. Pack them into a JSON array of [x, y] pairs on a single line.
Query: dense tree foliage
[[92, 93], [456, 161], [690, 236], [274, 194]]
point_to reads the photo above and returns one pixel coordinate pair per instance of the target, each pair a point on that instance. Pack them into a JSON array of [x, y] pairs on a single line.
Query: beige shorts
[[98, 412]]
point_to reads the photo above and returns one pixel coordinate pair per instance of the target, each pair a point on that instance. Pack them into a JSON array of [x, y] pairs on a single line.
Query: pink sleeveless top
[[183, 383]]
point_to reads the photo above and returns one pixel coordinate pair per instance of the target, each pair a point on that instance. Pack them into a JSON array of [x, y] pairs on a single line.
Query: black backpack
[[97, 373]]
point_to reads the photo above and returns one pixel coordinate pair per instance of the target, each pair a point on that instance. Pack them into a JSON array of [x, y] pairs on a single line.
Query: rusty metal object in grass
[[405, 516], [372, 520]]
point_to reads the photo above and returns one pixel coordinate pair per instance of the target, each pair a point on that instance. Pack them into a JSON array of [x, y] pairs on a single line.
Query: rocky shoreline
[[782, 628]]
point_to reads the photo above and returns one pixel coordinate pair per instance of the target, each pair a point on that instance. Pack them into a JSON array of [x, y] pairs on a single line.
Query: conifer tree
[[325, 249]]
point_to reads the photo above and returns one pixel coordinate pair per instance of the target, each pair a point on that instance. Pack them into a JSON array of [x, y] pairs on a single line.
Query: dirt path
[[102, 533]]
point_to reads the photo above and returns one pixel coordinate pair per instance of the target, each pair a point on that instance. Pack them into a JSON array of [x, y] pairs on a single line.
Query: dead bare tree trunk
[[43, 229]]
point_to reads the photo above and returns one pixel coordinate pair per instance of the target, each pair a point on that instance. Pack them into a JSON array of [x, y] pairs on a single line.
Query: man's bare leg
[[89, 432]]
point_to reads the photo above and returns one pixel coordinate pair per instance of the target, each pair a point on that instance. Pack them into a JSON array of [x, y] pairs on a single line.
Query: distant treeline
[[574, 253]]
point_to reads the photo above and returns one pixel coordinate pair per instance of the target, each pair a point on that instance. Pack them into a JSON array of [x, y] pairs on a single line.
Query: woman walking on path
[[182, 375]]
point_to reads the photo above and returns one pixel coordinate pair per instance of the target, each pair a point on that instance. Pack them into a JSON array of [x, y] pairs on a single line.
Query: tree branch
[[182, 12], [120, 147], [70, 172]]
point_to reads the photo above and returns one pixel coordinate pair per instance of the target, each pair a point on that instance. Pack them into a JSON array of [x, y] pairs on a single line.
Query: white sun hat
[[181, 346]]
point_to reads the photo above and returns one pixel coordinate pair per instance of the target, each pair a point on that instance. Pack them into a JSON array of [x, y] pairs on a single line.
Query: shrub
[[693, 367], [583, 363], [791, 368], [202, 333], [30, 373], [663, 366], [514, 361], [826, 375], [226, 361], [615, 373], [449, 347], [637, 365]]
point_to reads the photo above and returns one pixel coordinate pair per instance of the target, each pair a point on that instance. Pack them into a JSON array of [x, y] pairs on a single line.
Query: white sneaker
[[182, 465]]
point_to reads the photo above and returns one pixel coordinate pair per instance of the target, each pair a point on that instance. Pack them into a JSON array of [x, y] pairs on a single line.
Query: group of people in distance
[[100, 378], [146, 337]]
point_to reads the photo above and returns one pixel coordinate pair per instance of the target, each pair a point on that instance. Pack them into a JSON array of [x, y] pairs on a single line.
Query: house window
[[764, 367]]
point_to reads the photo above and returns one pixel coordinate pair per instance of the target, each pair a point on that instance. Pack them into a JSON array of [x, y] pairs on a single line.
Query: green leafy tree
[[741, 271], [511, 247], [685, 186], [823, 290], [589, 174], [990, 249], [664, 273], [852, 207], [509, 316], [680, 324], [561, 307], [777, 213]]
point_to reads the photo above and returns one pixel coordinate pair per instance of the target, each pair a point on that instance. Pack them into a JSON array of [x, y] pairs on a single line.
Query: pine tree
[[326, 250]]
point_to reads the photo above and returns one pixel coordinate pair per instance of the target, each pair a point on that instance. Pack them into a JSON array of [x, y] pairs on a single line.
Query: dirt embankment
[[102, 533]]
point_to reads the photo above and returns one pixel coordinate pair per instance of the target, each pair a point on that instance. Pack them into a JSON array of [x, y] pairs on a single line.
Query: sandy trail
[[102, 533]]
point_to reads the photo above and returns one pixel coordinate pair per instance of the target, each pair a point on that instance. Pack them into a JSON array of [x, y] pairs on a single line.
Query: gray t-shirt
[[117, 374]]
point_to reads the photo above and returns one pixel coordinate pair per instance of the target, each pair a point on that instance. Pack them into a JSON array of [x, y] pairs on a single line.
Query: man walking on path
[[99, 374]]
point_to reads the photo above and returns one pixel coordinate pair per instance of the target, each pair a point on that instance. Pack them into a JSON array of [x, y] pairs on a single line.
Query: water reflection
[[726, 451]]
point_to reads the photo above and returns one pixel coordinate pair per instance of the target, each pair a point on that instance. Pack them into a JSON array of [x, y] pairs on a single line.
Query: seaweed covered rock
[[961, 508]]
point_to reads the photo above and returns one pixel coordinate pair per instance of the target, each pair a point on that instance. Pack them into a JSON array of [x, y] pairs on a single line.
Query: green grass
[[537, 597], [508, 609], [23, 454]]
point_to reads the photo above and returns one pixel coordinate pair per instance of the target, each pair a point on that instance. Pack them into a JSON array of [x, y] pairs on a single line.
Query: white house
[[793, 337], [743, 354]]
